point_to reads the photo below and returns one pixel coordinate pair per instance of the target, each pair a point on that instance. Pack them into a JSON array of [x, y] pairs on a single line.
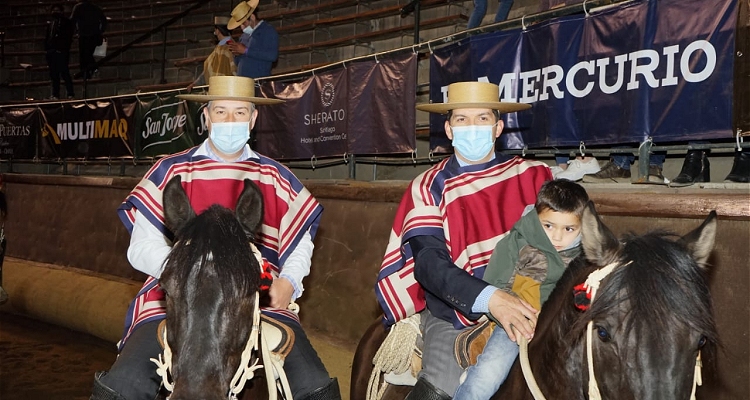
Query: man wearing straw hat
[[214, 173], [445, 229], [258, 47]]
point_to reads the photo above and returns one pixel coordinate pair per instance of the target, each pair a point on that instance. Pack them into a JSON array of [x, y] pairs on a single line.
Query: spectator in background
[[480, 9], [221, 60], [90, 23], [258, 48], [57, 45]]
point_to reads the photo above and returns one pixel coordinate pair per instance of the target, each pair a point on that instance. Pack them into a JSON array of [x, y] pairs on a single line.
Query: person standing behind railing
[[480, 9], [90, 23], [57, 45], [221, 61], [258, 48]]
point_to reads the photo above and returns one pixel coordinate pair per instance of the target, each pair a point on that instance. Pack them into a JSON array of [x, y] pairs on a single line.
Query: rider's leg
[[308, 377], [492, 367], [439, 365], [133, 375]]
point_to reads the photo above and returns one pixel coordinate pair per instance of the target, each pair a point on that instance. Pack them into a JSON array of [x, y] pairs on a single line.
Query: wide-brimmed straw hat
[[241, 13], [473, 95], [221, 21], [230, 88]]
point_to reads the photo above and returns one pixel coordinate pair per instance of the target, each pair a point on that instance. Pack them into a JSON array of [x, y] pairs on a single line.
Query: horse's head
[[652, 314], [211, 279]]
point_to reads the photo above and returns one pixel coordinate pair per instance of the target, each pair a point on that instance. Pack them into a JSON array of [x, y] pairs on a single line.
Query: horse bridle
[[247, 367], [592, 285]]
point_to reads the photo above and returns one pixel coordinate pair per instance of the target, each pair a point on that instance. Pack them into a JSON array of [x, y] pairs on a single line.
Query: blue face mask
[[248, 29], [474, 142], [229, 137]]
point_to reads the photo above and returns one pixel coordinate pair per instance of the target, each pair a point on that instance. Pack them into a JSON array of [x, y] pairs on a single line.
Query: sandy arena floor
[[47, 362]]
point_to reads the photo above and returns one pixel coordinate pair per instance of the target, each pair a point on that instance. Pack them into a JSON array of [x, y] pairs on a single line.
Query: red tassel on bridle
[[266, 278], [581, 297]]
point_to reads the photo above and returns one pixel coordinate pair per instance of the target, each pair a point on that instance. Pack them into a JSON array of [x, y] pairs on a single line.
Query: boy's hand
[[510, 311]]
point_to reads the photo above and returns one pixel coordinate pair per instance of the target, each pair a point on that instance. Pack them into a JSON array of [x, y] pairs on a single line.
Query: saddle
[[470, 343], [279, 336]]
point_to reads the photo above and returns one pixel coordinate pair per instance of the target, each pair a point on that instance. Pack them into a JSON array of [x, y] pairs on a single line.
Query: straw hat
[[473, 95], [221, 21], [230, 88], [241, 13]]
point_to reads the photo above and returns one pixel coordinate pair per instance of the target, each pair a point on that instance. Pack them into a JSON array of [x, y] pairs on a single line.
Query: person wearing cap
[[445, 230], [221, 60], [214, 173], [258, 47]]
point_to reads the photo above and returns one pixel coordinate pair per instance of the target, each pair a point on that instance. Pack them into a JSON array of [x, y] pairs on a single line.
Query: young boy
[[528, 262]]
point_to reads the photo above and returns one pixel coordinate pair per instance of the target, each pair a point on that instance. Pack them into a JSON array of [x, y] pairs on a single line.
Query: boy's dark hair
[[495, 112], [562, 195]]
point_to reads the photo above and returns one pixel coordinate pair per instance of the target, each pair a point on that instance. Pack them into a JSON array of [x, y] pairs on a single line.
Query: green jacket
[[526, 263]]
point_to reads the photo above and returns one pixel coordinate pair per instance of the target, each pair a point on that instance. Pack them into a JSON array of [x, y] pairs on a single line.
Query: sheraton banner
[[658, 68], [366, 107]]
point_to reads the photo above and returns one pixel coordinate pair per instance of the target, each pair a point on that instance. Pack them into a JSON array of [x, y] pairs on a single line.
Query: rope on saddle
[[394, 354]]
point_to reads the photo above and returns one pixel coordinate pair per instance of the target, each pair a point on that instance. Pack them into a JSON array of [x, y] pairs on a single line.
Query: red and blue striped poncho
[[471, 207], [290, 210]]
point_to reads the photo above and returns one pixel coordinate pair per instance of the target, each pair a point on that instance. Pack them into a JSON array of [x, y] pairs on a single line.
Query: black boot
[[330, 391], [101, 391], [740, 168], [696, 168], [424, 390]]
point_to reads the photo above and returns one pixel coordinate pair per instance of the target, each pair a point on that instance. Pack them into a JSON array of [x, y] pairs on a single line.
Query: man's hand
[[281, 292], [511, 311], [236, 48]]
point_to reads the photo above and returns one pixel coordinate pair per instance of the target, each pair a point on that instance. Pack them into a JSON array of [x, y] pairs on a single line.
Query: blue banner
[[659, 68]]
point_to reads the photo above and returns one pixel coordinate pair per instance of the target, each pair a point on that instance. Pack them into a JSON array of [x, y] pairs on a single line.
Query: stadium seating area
[[312, 33]]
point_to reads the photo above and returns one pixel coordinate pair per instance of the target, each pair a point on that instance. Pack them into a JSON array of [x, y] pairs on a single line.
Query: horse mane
[[214, 244], [665, 288], [661, 281]]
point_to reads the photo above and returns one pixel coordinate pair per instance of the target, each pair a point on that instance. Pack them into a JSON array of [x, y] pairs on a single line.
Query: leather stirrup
[[102, 391], [424, 390], [330, 391]]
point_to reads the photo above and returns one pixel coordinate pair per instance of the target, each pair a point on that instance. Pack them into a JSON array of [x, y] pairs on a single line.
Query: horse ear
[[250, 208], [177, 208], [701, 241], [599, 244]]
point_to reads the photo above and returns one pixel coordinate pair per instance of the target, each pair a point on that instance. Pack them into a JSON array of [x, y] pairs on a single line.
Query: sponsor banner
[[100, 128], [166, 125], [660, 69], [366, 107], [18, 128]]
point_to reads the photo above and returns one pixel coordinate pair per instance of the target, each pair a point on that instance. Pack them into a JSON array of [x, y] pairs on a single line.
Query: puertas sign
[[366, 107]]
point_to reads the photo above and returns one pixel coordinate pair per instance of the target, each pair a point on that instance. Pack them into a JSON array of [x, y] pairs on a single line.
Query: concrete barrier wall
[[70, 222]]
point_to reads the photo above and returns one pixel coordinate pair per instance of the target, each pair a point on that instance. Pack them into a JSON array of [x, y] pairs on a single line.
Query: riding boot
[[740, 168], [424, 390], [101, 391], [696, 168], [330, 391]]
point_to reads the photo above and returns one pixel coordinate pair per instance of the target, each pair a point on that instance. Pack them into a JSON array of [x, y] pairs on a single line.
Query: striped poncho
[[470, 207], [289, 211]]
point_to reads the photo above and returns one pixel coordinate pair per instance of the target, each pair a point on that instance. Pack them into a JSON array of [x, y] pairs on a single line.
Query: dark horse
[[211, 279], [651, 317]]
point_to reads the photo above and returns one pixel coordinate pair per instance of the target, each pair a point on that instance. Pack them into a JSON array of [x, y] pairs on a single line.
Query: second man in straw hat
[[212, 173], [258, 47], [447, 226]]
